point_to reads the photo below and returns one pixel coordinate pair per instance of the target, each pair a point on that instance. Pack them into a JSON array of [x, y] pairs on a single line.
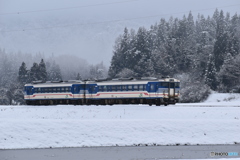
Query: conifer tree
[[34, 72], [42, 74], [210, 76], [78, 77], [220, 46], [22, 73]]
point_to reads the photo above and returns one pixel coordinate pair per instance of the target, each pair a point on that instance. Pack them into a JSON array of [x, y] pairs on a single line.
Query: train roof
[[142, 80], [134, 80], [55, 83]]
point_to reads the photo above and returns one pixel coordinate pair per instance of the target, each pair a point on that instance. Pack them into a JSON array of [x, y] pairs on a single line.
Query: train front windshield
[[28, 90]]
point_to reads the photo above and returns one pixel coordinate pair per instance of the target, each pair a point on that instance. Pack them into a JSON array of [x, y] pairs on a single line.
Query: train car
[[49, 93], [133, 91], [105, 92]]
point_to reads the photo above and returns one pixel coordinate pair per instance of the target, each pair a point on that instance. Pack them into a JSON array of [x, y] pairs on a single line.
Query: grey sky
[[132, 8], [98, 13]]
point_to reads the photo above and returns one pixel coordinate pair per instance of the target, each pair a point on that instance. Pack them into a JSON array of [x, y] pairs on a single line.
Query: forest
[[203, 52]]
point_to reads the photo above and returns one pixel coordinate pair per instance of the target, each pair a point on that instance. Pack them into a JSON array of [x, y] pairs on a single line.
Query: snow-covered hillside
[[76, 126]]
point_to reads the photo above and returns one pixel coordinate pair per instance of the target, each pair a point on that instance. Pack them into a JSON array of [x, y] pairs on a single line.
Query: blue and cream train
[[104, 92]]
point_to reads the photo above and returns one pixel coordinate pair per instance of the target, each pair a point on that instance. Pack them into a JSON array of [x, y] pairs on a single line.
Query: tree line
[[18, 69]]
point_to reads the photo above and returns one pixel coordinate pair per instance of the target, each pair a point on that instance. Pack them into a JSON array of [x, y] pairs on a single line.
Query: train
[[145, 90]]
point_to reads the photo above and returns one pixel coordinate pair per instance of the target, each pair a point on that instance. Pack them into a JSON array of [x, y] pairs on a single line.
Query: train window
[[113, 88], [144, 87], [135, 87], [104, 88], [124, 88], [74, 89], [164, 84], [36, 90], [58, 89], [140, 87], [96, 88], [92, 88], [118, 88], [30, 90], [54, 89], [130, 87], [62, 89], [171, 85], [108, 88], [152, 88], [177, 84]]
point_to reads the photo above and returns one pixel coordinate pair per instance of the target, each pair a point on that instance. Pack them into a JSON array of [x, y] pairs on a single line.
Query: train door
[[157, 90], [92, 90], [171, 90], [76, 90], [28, 92], [84, 93], [152, 89]]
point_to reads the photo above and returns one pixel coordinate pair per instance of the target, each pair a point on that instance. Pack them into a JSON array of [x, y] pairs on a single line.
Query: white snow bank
[[224, 97], [77, 126], [218, 99]]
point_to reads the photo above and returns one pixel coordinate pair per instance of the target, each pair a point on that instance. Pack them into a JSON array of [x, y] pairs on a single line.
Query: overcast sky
[[118, 8], [102, 10]]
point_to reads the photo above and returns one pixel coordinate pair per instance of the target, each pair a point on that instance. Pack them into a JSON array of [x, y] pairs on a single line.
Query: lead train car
[[70, 92], [105, 92]]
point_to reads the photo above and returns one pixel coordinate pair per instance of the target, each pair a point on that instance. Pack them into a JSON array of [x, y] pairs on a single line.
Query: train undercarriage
[[150, 102]]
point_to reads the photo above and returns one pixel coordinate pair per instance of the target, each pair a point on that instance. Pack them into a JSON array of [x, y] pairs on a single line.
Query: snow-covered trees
[[22, 73], [206, 48], [17, 69], [42, 71], [53, 71], [97, 71], [210, 75]]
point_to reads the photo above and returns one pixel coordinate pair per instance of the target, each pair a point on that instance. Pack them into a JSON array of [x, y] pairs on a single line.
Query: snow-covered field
[[217, 121]]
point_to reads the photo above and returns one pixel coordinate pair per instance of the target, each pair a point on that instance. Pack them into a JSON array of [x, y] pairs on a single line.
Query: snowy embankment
[[77, 126]]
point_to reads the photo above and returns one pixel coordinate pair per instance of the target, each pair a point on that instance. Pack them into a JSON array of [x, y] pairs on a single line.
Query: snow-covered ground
[[217, 121]]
